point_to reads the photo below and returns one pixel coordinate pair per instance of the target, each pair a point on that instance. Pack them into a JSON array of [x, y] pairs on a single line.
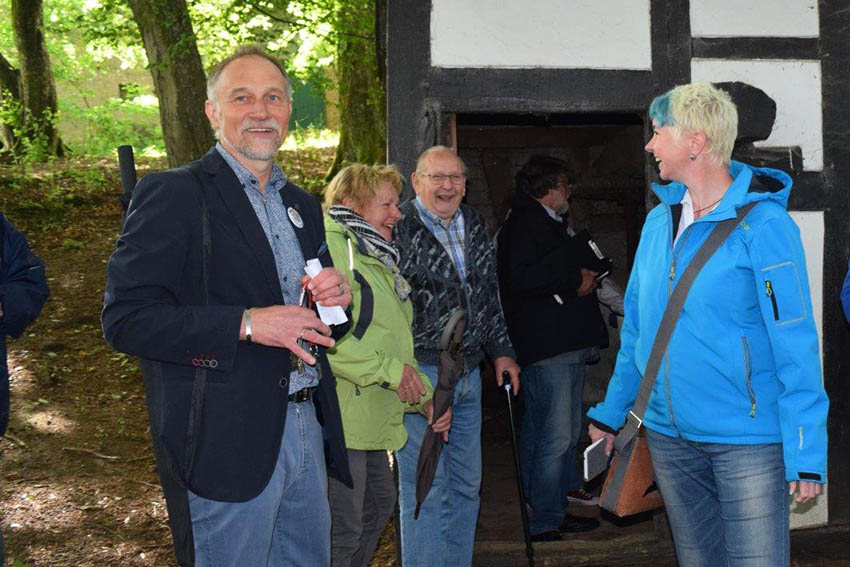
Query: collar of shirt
[[276, 181], [687, 217], [431, 218], [551, 212]]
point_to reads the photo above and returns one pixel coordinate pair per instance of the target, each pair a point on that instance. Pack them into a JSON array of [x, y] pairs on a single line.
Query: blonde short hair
[[360, 183], [700, 107]]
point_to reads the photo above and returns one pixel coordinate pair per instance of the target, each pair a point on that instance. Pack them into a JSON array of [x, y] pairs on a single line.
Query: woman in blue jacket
[[737, 414]]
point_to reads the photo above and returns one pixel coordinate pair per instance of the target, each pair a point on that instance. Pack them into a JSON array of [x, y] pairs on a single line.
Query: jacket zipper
[[670, 277], [769, 289], [745, 346]]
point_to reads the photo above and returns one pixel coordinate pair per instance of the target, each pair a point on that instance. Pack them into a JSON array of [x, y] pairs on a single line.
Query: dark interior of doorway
[[605, 151]]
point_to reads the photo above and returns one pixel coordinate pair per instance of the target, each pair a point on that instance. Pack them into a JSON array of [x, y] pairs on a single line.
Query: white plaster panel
[[796, 88], [754, 18], [592, 34], [811, 226]]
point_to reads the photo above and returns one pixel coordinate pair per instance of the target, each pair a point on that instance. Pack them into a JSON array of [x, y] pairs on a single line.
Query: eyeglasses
[[438, 178]]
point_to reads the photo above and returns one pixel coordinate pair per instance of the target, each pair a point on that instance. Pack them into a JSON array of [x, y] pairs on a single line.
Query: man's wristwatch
[[248, 325]]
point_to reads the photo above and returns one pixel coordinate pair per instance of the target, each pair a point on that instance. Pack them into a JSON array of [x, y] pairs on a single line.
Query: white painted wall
[[754, 18], [811, 226], [796, 88], [592, 34]]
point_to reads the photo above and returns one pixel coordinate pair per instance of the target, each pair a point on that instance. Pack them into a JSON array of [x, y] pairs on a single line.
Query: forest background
[[78, 78]]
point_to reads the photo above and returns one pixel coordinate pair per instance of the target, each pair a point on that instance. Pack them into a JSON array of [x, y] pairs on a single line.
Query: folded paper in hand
[[333, 315]]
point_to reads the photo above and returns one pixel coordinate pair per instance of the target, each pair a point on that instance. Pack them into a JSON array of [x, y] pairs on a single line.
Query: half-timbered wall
[[449, 57]]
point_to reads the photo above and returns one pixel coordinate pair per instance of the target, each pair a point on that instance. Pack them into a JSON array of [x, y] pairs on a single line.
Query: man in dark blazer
[[205, 286]]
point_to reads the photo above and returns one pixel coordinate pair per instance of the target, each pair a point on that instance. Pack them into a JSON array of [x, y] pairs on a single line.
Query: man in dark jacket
[[23, 291], [556, 327], [205, 286]]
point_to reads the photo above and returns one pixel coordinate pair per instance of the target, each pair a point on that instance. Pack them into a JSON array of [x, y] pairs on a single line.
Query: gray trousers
[[359, 515]]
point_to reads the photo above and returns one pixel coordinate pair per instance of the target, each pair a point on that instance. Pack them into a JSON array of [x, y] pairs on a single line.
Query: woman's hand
[[443, 424], [410, 387], [596, 434], [808, 490]]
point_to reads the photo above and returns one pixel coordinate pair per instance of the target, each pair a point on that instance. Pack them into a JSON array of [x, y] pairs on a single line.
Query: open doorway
[[605, 152]]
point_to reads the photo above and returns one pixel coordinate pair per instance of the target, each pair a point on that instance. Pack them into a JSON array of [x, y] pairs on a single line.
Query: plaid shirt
[[451, 237]]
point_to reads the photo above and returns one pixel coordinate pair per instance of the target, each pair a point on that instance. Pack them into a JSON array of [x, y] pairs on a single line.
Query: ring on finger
[[341, 289], [301, 336]]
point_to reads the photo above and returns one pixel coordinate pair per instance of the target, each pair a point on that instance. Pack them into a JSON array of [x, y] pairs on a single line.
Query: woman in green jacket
[[377, 378]]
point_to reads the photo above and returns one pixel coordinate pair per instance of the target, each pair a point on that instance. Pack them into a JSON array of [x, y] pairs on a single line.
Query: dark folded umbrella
[[451, 364]]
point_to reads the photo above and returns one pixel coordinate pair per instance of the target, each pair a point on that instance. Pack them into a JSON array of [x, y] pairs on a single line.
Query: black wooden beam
[[835, 71], [756, 47]]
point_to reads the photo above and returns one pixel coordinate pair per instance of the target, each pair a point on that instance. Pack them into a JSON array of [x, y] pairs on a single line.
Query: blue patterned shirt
[[288, 258], [451, 237]]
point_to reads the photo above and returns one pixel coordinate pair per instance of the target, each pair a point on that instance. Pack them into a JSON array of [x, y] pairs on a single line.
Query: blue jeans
[[551, 426], [728, 504], [444, 534], [288, 523]]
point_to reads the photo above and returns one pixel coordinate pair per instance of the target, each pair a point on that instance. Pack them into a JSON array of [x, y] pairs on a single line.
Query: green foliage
[[116, 122], [32, 133], [91, 39], [73, 244]]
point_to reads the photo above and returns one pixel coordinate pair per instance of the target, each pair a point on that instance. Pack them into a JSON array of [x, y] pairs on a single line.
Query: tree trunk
[[362, 96], [38, 92], [178, 77], [10, 86]]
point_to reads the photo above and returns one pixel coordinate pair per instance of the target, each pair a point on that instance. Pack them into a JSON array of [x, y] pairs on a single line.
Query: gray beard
[[244, 149], [564, 210]]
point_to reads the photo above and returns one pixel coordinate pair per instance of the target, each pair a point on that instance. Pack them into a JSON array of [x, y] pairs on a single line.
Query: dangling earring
[[692, 157]]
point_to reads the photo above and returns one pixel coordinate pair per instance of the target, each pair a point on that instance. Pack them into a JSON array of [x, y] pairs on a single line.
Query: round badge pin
[[295, 217]]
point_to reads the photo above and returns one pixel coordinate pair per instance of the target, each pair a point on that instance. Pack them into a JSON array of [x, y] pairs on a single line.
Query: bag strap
[[634, 419], [200, 381]]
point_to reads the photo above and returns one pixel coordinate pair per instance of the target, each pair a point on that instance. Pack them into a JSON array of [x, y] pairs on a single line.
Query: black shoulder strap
[[623, 441], [200, 381], [367, 306]]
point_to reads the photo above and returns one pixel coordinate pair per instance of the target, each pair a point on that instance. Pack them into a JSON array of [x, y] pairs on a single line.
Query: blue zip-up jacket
[[23, 291], [743, 364]]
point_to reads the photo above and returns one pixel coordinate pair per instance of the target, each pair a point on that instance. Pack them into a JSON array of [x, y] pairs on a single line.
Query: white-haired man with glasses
[[448, 259]]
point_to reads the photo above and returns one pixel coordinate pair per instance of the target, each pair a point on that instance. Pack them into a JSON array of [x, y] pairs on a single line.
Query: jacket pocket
[[748, 372], [784, 291]]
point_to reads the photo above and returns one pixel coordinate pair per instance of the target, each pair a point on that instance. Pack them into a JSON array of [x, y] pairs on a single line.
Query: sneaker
[[582, 497], [576, 524]]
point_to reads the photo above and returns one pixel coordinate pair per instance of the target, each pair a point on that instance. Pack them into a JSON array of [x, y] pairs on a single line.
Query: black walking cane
[[529, 551]]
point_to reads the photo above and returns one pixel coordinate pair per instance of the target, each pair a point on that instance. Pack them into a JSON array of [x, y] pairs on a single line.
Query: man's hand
[[509, 365], [282, 325], [596, 434], [410, 388], [329, 288], [443, 424], [808, 490], [588, 282]]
